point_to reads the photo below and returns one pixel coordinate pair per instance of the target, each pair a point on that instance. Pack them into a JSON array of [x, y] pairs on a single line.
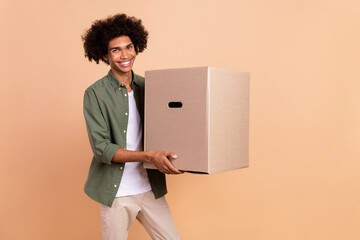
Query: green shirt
[[105, 109]]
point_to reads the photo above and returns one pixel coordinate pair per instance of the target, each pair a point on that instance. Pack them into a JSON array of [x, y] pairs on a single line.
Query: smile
[[125, 64]]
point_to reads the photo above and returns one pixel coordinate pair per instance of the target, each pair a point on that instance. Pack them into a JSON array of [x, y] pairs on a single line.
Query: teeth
[[125, 63]]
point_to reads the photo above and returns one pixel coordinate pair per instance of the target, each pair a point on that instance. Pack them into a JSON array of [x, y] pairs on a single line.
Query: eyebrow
[[117, 48]]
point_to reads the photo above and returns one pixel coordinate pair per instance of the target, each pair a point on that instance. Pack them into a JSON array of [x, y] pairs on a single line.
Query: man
[[113, 110]]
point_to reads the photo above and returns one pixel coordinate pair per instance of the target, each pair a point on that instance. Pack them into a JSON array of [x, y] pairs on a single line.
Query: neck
[[124, 78]]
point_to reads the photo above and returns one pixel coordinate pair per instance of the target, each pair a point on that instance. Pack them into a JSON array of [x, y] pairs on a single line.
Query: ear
[[105, 59]]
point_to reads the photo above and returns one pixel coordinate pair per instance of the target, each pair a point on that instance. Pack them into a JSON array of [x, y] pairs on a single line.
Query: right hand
[[161, 161]]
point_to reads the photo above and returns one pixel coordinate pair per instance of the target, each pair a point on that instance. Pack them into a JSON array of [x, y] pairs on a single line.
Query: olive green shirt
[[105, 109]]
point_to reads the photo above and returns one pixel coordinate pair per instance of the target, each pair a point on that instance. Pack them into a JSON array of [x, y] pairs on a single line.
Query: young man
[[113, 110]]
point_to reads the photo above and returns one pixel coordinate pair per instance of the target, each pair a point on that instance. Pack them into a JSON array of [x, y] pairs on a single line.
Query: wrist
[[149, 156]]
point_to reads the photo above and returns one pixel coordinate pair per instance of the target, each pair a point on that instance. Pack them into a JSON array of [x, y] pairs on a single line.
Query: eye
[[114, 50], [130, 46]]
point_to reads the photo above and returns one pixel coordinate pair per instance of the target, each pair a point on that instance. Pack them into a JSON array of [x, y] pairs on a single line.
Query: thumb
[[170, 155]]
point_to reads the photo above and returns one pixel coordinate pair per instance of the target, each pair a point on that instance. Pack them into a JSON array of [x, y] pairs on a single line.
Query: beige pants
[[153, 214]]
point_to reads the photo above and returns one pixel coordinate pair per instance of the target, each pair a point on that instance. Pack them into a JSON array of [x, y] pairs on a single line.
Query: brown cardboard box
[[201, 114]]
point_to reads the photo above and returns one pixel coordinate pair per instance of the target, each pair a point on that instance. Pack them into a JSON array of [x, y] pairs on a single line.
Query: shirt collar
[[117, 84]]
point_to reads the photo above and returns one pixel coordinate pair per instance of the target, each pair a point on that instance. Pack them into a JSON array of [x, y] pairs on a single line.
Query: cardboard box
[[201, 114]]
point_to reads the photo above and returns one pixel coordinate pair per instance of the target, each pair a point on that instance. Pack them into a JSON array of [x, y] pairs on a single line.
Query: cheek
[[112, 60]]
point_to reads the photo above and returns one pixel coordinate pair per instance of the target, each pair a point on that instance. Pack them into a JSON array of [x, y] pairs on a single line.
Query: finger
[[170, 155], [165, 170], [172, 168]]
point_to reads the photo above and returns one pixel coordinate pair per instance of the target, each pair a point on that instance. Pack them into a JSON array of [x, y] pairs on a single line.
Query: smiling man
[[113, 110]]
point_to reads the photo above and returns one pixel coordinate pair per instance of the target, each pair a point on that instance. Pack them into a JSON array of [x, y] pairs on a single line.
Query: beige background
[[304, 58]]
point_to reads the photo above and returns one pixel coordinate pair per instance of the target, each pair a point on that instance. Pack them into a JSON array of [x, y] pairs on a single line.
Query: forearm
[[123, 155], [159, 158]]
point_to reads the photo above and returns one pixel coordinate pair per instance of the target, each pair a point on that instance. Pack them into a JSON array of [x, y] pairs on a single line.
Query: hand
[[161, 161]]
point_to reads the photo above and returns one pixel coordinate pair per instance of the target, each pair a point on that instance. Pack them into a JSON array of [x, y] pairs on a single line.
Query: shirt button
[[115, 185], [124, 131], [119, 88], [125, 95], [126, 114], [121, 168]]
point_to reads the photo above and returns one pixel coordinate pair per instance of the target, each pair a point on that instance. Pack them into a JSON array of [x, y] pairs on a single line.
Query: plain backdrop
[[304, 58]]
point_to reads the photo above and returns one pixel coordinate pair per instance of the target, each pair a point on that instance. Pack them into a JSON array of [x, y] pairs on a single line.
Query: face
[[121, 55]]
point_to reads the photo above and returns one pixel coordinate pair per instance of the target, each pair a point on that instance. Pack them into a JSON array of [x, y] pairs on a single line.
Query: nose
[[123, 54]]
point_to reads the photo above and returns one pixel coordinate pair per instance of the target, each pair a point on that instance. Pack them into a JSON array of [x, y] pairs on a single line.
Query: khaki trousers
[[153, 214]]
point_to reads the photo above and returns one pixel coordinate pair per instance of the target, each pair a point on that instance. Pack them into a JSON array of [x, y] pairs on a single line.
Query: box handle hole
[[175, 104]]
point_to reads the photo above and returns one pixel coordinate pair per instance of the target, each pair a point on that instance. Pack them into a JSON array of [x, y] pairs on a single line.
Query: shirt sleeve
[[98, 129]]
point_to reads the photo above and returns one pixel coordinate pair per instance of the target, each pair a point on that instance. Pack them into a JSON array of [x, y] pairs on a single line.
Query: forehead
[[121, 41]]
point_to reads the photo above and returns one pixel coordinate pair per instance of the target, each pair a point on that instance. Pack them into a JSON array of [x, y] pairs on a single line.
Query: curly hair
[[97, 38]]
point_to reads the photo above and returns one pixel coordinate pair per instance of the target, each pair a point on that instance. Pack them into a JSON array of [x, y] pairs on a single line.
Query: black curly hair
[[96, 39]]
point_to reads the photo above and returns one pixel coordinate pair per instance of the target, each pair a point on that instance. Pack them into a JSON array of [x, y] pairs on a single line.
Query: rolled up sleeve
[[98, 129]]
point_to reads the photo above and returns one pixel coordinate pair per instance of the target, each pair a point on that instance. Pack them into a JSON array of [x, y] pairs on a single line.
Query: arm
[[108, 152], [159, 158], [98, 129]]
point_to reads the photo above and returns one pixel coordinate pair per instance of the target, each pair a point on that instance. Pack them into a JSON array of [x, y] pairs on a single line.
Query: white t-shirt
[[135, 179]]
